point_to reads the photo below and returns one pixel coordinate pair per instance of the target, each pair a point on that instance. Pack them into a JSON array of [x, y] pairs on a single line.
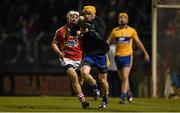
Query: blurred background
[[28, 66]]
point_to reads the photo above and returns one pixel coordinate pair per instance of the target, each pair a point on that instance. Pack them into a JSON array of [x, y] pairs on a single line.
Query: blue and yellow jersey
[[123, 38]]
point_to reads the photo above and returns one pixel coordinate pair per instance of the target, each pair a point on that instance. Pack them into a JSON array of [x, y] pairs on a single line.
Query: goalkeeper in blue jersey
[[95, 48]]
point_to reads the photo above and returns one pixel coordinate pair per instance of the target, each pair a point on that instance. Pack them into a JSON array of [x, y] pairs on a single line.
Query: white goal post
[[155, 7]]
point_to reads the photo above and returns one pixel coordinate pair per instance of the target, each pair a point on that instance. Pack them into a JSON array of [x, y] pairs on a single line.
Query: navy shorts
[[98, 61], [124, 61]]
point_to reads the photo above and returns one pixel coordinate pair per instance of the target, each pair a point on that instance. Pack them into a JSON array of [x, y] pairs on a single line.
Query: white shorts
[[67, 61]]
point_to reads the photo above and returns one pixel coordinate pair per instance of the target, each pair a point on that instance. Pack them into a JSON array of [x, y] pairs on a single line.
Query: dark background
[[26, 31]]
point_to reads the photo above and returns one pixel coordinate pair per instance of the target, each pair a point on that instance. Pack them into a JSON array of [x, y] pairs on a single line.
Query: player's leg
[[80, 78], [101, 64], [105, 89], [70, 66], [124, 65], [76, 86], [85, 73], [74, 79], [124, 75], [129, 93]]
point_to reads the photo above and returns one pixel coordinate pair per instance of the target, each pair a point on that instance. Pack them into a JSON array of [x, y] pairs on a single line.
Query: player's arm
[[141, 46], [111, 38], [54, 46]]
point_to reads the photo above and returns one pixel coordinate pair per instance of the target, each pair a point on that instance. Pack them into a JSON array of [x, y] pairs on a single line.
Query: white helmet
[[72, 12]]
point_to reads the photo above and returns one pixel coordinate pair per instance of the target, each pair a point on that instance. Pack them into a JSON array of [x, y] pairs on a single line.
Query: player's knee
[[103, 79], [85, 70], [84, 74]]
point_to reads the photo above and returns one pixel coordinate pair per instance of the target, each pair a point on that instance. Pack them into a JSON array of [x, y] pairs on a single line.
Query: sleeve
[[135, 35], [59, 38]]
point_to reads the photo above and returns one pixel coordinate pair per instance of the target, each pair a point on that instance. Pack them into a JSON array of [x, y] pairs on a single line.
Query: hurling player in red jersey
[[68, 45]]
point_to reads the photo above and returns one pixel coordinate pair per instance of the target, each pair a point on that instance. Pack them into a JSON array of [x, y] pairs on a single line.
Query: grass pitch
[[71, 104]]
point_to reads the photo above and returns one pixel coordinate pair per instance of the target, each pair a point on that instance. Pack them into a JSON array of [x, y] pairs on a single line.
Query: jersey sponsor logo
[[71, 43], [122, 40]]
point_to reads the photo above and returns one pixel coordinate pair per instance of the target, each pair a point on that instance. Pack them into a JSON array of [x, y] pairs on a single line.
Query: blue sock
[[104, 99], [123, 96]]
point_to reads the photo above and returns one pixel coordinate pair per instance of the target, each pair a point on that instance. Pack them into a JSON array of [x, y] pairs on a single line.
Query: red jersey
[[71, 46]]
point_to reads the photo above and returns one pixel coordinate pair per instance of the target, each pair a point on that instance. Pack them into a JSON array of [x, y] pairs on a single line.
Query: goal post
[[158, 5]]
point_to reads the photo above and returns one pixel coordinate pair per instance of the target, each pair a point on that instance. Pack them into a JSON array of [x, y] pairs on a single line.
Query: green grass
[[71, 104]]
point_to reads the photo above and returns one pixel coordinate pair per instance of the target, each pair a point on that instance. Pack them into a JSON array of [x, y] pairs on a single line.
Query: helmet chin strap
[[123, 25]]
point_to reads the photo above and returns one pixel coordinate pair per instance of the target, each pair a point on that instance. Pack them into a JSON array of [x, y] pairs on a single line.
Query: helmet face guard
[[72, 16]]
